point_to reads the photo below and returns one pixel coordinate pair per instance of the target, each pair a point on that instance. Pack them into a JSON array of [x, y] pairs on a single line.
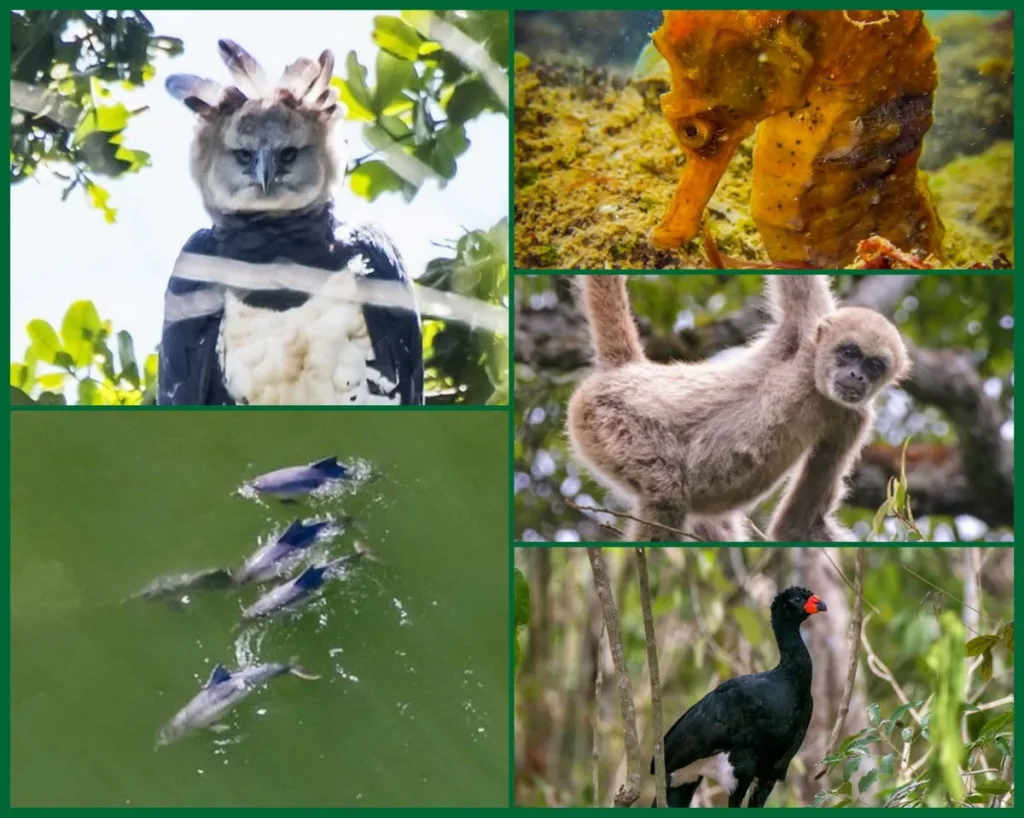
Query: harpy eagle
[[261, 157]]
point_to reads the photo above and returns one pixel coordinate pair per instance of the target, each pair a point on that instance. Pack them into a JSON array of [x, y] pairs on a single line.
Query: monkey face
[[859, 353], [267, 157]]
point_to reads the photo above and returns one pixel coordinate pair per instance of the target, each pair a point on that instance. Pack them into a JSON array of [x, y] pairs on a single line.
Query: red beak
[[815, 605]]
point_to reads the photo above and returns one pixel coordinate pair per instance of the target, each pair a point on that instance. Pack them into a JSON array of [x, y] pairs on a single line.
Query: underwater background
[[412, 706], [596, 162]]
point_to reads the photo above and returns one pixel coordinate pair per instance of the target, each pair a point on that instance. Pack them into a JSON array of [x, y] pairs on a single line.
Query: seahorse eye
[[695, 132]]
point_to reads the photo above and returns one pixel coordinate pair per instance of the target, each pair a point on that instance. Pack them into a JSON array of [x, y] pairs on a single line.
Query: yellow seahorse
[[843, 99]]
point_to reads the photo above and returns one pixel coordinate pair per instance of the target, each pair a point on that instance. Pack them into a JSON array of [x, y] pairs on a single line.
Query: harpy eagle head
[[261, 146]]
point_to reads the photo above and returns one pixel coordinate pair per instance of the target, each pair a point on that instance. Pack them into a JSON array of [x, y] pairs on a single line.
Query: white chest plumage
[[316, 354]]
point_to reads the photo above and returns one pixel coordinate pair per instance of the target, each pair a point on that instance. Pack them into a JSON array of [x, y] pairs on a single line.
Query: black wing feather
[[395, 334], [190, 372]]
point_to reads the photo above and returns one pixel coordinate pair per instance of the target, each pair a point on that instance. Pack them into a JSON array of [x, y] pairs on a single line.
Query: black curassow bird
[[748, 728]]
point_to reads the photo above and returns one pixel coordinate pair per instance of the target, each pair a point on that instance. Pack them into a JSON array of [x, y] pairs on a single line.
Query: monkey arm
[[799, 300], [805, 511]]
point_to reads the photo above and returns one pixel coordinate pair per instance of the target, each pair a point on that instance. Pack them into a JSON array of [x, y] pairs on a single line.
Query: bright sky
[[62, 252]]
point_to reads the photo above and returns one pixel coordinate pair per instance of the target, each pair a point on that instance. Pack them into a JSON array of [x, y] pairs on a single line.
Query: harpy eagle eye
[[288, 155], [243, 157]]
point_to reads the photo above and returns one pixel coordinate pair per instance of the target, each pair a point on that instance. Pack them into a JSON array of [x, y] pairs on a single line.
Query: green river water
[[412, 707]]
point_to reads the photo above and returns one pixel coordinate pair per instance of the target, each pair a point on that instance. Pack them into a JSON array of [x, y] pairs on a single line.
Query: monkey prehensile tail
[[262, 159], [695, 445]]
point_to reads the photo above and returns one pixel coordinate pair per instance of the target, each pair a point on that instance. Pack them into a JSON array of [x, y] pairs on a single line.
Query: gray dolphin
[[295, 592], [271, 561], [221, 693], [178, 584], [298, 481]]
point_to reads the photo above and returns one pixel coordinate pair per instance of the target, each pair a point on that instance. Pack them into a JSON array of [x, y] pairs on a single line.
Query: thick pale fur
[[316, 354], [708, 440]]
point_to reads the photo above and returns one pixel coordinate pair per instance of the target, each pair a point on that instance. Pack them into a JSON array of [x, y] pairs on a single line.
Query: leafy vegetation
[[82, 353], [63, 67]]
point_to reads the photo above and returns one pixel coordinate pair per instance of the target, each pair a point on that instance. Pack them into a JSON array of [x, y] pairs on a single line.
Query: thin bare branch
[[626, 516], [629, 791], [853, 636], [652, 664], [598, 685]]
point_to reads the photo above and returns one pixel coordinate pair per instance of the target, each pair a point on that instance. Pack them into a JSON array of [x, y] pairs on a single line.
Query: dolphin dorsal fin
[[311, 577], [220, 674], [327, 463], [291, 532]]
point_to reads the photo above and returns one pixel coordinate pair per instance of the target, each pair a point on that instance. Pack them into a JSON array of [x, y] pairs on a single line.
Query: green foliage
[[426, 91], [465, 365], [916, 756], [522, 610], [63, 67], [82, 353], [897, 505]]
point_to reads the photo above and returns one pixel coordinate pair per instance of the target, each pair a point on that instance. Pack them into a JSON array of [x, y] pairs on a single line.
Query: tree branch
[[652, 664], [629, 791], [853, 635]]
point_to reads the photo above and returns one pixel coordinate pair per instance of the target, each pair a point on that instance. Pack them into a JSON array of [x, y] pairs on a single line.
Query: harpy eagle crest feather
[[262, 160]]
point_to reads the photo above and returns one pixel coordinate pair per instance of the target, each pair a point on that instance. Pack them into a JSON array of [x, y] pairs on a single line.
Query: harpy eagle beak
[[263, 169]]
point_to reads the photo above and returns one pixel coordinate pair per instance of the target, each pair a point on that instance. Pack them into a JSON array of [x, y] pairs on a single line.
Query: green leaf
[[992, 787], [997, 724], [885, 764], [99, 197], [901, 712], [468, 101], [353, 90], [19, 398], [137, 160], [985, 670], [51, 399], [371, 179], [151, 368], [430, 47], [750, 625], [867, 780], [522, 599], [850, 767], [396, 36], [80, 329], [88, 394], [19, 375], [979, 644], [873, 714], [105, 118], [45, 343], [1007, 634], [394, 75], [52, 381], [126, 354]]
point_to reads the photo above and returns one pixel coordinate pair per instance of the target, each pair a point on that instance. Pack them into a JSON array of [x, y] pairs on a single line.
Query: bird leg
[[737, 795], [761, 792]]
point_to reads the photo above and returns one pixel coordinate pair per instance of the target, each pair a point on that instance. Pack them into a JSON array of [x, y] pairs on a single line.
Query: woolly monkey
[[695, 444]]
